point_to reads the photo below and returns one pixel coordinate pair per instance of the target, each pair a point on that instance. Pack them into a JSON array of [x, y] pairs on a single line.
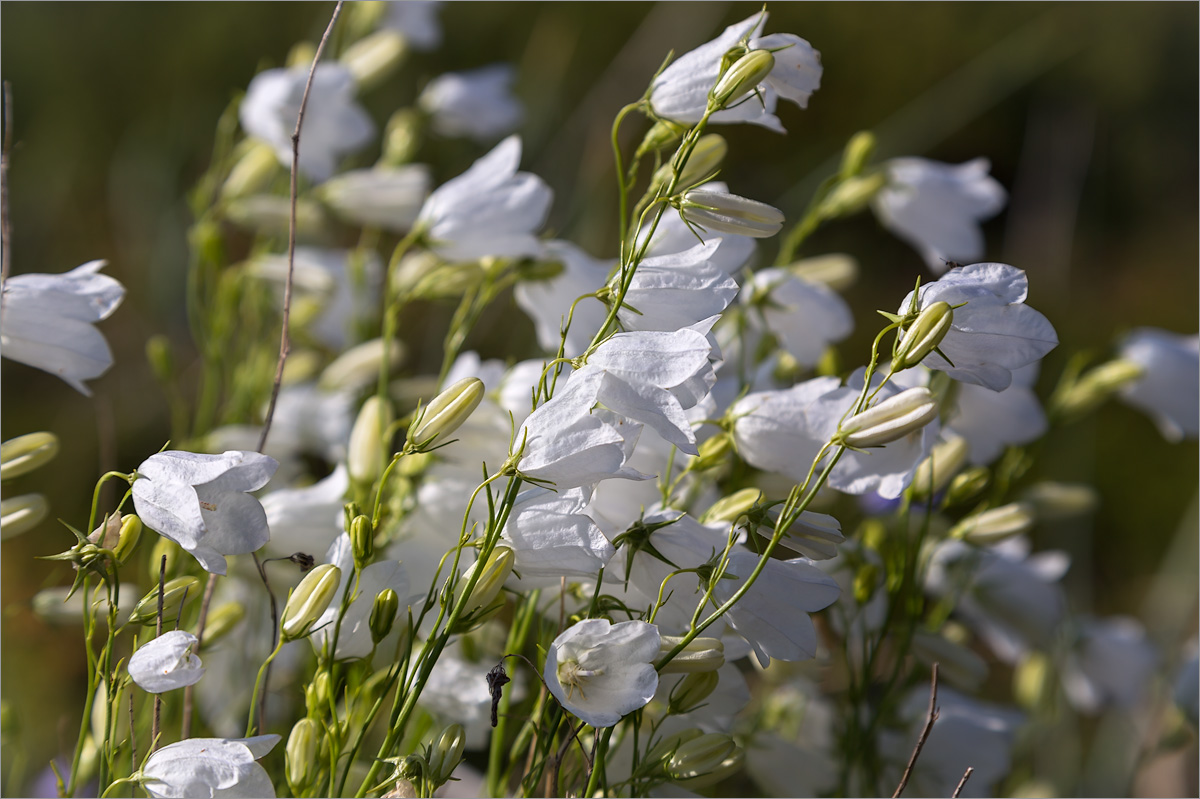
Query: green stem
[[259, 686], [517, 636]]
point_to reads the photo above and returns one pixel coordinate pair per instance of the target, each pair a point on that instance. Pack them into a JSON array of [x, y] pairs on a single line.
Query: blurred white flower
[[354, 633], [478, 103], [166, 663], [1186, 692], [993, 332], [681, 91], [491, 209], [201, 502], [992, 420], [47, 322], [417, 20], [1111, 664], [1168, 387], [383, 197], [306, 519], [210, 767], [937, 207], [807, 317], [600, 671], [334, 124]]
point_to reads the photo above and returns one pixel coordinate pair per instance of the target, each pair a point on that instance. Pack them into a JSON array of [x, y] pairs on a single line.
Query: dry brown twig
[[929, 720], [966, 776]]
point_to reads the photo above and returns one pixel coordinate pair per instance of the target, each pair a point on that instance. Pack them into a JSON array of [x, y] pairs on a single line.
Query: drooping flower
[[334, 124], [478, 103], [937, 207], [210, 767], [306, 519], [1167, 388], [491, 209], [771, 431], [417, 20], [47, 322], [201, 502], [681, 91], [993, 332], [552, 537], [600, 671], [1110, 665], [388, 198], [166, 663], [992, 420], [807, 317]]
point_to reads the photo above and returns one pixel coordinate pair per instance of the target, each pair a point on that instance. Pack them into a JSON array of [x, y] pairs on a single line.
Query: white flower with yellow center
[[600, 671]]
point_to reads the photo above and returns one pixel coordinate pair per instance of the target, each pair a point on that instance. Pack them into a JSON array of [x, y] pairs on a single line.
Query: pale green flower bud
[[866, 583], [858, 152], [303, 746], [374, 58], [162, 362], [924, 335], [309, 600], [448, 281], [491, 579], [146, 610], [446, 754], [54, 606], [995, 525], [713, 452], [703, 163], [22, 514], [401, 138], [318, 694], [128, 537], [164, 546], [944, 462], [691, 691], [256, 166], [383, 614], [664, 133], [301, 55], [701, 756], [23, 454], [700, 655], [837, 271], [367, 454], [741, 78], [1094, 388], [271, 215], [729, 213], [445, 414], [664, 750], [732, 507], [966, 485], [894, 418], [362, 541], [358, 367], [1056, 501], [1031, 680], [222, 620], [852, 195]]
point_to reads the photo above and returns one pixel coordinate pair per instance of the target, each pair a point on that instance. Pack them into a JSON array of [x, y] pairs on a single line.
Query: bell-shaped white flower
[[307, 519], [47, 322], [773, 615], [334, 124], [676, 290], [166, 663], [210, 767], [491, 209], [681, 91], [354, 632], [552, 538], [1110, 664], [600, 671], [806, 317], [992, 420], [937, 207], [771, 431], [201, 502], [547, 301], [388, 198], [993, 332], [417, 20], [478, 103], [1167, 388]]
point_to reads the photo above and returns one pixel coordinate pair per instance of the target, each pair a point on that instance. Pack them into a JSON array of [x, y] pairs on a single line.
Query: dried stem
[[966, 776], [285, 342], [157, 724], [186, 725], [929, 720]]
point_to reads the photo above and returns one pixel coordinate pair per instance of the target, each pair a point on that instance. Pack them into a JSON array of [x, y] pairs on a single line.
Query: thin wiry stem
[[5, 224], [966, 776], [929, 720]]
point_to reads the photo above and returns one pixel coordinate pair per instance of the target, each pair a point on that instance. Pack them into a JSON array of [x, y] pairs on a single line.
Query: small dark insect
[[951, 264], [496, 679]]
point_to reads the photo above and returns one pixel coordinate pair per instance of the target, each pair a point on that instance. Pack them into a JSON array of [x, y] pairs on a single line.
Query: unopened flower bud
[[741, 78], [318, 694], [966, 485], [358, 367], [253, 172], [60, 606], [894, 418], [222, 620], [362, 541], [491, 579], [23, 454], [691, 691], [702, 164], [1031, 680], [995, 525], [303, 746], [1056, 501], [729, 213], [375, 57], [664, 750], [851, 195], [664, 133], [1094, 388], [309, 600], [857, 153], [367, 447], [836, 271], [701, 756], [401, 138], [21, 514], [732, 507], [448, 281], [446, 754], [158, 354], [445, 414], [164, 546], [383, 614], [713, 452], [146, 610], [944, 462], [924, 335], [271, 215], [866, 582], [700, 655], [128, 537]]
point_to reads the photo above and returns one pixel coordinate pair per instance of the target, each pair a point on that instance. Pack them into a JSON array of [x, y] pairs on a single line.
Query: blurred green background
[[1088, 112]]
